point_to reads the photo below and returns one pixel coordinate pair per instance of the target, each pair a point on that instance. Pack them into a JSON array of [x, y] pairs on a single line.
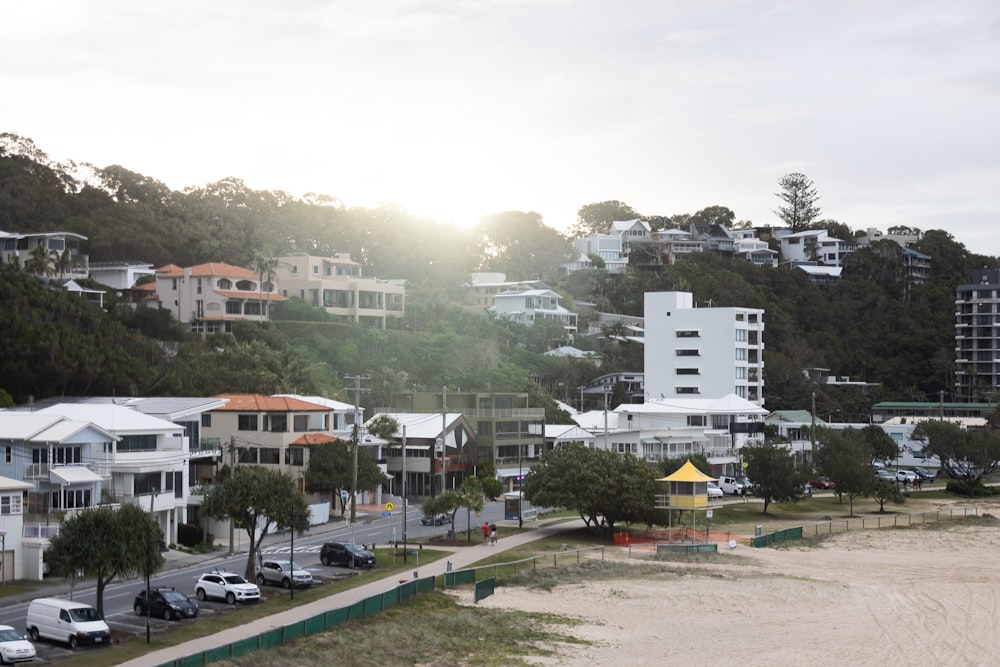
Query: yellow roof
[[687, 473]]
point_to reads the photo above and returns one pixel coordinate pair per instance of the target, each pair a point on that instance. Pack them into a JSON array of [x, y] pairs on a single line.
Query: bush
[[961, 488], [189, 534]]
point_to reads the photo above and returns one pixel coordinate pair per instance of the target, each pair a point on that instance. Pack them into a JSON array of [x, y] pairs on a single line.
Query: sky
[[457, 109]]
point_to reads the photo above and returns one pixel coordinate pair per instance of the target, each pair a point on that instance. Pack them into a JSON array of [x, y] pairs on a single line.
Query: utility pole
[[355, 442], [404, 493], [444, 435], [232, 462]]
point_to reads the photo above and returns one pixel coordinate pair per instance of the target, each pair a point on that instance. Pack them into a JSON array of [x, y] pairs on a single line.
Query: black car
[[165, 603], [346, 554], [438, 519], [924, 474]]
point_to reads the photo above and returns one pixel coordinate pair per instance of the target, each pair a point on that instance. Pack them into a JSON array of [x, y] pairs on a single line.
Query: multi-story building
[[702, 352], [273, 431], [506, 431], [532, 305], [208, 298], [336, 285], [482, 291], [815, 245], [16, 249], [977, 335]]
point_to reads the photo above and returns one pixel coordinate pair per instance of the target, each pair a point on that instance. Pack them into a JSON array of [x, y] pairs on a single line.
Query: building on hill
[[815, 245], [482, 290], [17, 249], [528, 306], [977, 335], [702, 352], [336, 285], [208, 298]]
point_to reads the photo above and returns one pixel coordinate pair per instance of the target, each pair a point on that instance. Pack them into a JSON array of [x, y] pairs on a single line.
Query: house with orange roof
[[275, 431], [208, 298]]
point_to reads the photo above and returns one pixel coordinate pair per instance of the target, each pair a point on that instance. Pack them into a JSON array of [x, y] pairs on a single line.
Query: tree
[[520, 245], [799, 196], [595, 218], [256, 499], [668, 467], [265, 266], [774, 473], [486, 474], [604, 487], [845, 457], [968, 456], [40, 262], [469, 495], [714, 215], [884, 491], [330, 467], [107, 543]]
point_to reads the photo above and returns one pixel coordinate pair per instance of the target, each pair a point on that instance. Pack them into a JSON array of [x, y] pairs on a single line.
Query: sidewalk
[[461, 557]]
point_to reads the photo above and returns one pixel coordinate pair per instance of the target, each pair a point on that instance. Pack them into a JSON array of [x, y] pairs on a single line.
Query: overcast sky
[[461, 108]]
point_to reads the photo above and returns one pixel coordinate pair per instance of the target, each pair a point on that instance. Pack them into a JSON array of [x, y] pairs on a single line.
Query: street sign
[[708, 514], [388, 507], [386, 513]]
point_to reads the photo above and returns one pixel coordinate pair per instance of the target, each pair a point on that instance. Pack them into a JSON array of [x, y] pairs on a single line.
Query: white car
[[14, 647], [714, 491], [906, 477], [226, 586], [283, 573]]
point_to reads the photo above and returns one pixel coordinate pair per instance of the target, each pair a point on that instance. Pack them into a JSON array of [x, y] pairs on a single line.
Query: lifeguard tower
[[687, 491]]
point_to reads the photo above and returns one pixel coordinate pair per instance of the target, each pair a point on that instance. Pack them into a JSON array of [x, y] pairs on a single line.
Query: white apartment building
[[702, 352], [977, 335], [814, 245], [335, 284]]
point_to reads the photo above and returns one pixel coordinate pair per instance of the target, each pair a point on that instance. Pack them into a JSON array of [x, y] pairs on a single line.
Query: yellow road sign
[[388, 507]]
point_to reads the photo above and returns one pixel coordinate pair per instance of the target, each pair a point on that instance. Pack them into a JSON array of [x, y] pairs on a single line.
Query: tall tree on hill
[[520, 245], [595, 218], [799, 196]]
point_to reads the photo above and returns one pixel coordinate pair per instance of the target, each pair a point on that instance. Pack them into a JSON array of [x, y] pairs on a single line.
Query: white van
[[730, 486], [66, 621]]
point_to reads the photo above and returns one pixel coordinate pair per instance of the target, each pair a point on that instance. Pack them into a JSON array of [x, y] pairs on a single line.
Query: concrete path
[[461, 557]]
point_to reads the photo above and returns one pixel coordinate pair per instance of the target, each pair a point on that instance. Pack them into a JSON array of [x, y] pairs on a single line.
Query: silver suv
[[283, 573], [226, 586]]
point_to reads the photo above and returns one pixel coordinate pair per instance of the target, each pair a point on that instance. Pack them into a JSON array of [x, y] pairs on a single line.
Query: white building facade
[[702, 352]]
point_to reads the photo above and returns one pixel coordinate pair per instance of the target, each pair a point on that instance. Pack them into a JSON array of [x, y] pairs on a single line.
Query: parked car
[[714, 491], [906, 477], [283, 573], [67, 621], [346, 554], [822, 483], [925, 475], [165, 603], [226, 586], [438, 519], [14, 647], [885, 476], [730, 485]]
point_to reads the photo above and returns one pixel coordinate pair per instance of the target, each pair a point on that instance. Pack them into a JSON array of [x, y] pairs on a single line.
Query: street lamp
[[149, 566], [607, 391]]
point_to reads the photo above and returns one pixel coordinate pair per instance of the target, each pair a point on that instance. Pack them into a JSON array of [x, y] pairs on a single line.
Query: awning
[[73, 475]]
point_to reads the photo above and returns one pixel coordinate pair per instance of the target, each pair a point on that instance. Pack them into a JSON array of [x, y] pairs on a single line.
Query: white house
[[531, 305], [815, 245]]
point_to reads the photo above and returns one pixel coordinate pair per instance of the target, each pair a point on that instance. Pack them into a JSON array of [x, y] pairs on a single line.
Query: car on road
[[165, 603], [227, 586], [283, 573], [438, 519], [14, 647], [822, 483], [346, 554], [906, 477], [925, 475], [714, 491], [885, 475]]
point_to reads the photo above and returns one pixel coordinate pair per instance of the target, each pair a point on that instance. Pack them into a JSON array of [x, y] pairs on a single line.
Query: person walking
[[493, 533], [486, 534]]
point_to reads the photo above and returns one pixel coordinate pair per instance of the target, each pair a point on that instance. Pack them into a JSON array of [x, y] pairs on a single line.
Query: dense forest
[[872, 325]]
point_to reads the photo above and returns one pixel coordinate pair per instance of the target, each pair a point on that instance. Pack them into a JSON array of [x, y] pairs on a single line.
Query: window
[[8, 455], [271, 455], [688, 353], [688, 334], [506, 429], [301, 423], [696, 420], [484, 428], [10, 504], [233, 308], [246, 422], [144, 483], [688, 371], [741, 335], [294, 456], [741, 373], [169, 486], [66, 455], [687, 390], [206, 420], [276, 423], [741, 354], [143, 442], [178, 484], [246, 454]]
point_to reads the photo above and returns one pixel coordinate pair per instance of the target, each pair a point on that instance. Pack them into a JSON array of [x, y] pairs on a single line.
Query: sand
[[926, 595]]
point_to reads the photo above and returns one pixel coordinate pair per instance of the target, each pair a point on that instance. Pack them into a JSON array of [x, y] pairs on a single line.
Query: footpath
[[460, 557]]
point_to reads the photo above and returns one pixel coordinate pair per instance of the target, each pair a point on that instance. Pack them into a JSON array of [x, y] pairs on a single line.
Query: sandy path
[[882, 597]]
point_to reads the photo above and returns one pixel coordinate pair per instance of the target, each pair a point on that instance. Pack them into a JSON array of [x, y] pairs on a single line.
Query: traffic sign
[[388, 507], [386, 513]]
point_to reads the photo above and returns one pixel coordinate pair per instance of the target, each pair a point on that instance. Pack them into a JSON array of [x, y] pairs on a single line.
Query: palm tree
[[63, 263], [40, 262], [265, 267]]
